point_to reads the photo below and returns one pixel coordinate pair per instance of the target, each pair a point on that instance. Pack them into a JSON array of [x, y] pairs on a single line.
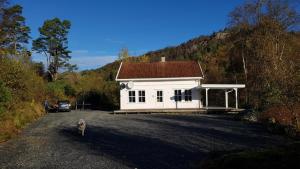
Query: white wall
[[168, 88]]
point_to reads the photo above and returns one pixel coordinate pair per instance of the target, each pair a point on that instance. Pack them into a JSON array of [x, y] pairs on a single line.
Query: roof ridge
[[172, 61]]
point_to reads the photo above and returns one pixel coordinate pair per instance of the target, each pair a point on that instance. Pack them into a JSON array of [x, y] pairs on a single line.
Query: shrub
[[19, 116], [22, 92], [22, 80], [5, 96], [282, 115], [56, 91], [69, 90]]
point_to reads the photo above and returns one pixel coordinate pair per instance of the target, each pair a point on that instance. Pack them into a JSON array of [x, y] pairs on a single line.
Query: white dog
[[81, 126]]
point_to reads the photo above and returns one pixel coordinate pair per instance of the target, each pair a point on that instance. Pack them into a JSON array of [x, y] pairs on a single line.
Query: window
[[188, 95], [142, 96], [159, 96], [131, 96], [177, 95]]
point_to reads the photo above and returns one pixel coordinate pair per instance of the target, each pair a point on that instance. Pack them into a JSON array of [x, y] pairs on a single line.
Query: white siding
[[168, 88]]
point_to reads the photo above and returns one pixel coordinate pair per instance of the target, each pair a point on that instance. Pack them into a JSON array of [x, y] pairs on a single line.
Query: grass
[[11, 122], [285, 157]]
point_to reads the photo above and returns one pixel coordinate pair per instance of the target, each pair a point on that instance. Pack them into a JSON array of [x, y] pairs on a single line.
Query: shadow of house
[[133, 150], [217, 133], [173, 142]]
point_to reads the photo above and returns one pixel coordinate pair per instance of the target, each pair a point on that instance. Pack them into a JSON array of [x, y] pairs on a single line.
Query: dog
[[81, 125]]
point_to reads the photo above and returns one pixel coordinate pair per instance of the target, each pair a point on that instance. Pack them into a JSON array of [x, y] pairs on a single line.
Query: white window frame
[[188, 97], [176, 96], [131, 96], [159, 98], [140, 97]]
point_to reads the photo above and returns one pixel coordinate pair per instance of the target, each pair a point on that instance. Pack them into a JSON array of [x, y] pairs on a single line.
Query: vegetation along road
[[129, 141]]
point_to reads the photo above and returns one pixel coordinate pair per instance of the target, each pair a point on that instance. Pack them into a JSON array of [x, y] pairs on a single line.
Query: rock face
[[221, 35]]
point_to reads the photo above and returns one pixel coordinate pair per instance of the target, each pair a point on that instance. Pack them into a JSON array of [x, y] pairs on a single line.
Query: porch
[[227, 88], [200, 110]]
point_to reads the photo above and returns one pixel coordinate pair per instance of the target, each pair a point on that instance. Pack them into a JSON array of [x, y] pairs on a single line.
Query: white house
[[165, 85]]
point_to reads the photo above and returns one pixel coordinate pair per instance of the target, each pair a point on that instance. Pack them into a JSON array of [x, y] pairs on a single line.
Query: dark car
[[63, 105]]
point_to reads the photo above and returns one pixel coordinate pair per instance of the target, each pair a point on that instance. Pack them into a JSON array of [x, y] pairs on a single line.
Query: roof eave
[[118, 71], [201, 70], [159, 79]]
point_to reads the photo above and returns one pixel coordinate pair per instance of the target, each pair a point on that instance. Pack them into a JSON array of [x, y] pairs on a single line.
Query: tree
[[255, 12], [3, 4], [263, 43], [53, 43], [124, 54], [13, 31], [39, 68], [144, 58]]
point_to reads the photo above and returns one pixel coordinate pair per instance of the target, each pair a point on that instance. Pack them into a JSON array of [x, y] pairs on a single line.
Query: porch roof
[[221, 86]]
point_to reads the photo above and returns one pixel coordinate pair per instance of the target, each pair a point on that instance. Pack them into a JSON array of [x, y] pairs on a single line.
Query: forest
[[260, 47]]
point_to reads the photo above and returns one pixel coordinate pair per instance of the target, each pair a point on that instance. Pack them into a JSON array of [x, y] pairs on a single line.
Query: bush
[[56, 91], [17, 118], [22, 92], [69, 90], [5, 96], [22, 80], [282, 115]]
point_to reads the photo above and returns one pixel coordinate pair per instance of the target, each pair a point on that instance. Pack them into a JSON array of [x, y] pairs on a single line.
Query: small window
[[177, 94], [188, 95], [131, 96], [159, 96], [142, 96]]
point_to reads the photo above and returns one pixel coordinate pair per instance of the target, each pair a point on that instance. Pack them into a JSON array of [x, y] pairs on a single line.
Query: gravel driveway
[[152, 141]]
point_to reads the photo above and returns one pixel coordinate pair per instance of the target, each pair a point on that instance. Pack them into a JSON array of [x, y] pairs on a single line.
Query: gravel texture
[[142, 141]]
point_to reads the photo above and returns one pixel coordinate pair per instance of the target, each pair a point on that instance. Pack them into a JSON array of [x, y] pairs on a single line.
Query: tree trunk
[[246, 76], [55, 76]]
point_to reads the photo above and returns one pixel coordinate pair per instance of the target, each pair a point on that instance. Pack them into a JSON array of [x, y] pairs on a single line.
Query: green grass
[[285, 157]]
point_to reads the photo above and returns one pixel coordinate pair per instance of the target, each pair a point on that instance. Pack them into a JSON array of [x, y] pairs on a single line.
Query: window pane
[[177, 95], [159, 96], [142, 96], [131, 96], [188, 95]]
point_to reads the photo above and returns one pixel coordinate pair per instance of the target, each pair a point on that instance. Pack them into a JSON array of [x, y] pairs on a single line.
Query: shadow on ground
[[133, 150], [175, 142]]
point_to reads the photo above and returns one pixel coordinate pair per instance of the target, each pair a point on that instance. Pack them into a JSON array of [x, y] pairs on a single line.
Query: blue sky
[[101, 28]]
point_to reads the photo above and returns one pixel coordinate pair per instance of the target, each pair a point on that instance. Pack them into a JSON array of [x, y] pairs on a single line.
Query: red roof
[[168, 69]]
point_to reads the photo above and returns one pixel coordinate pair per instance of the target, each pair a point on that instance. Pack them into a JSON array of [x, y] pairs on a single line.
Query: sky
[[100, 28]]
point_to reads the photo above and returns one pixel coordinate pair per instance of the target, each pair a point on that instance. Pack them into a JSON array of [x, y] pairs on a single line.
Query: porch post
[[236, 98], [226, 99], [206, 97], [200, 99]]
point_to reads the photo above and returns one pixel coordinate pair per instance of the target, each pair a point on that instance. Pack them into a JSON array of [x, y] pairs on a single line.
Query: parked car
[[63, 106]]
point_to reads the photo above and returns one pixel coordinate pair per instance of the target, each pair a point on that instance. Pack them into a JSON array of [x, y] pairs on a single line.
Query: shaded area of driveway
[[155, 141]]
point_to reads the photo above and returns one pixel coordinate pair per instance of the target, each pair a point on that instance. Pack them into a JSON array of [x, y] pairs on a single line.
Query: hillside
[[200, 49], [225, 59], [194, 49]]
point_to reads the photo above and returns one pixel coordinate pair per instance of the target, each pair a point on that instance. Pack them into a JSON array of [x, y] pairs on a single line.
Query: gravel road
[[149, 141]]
